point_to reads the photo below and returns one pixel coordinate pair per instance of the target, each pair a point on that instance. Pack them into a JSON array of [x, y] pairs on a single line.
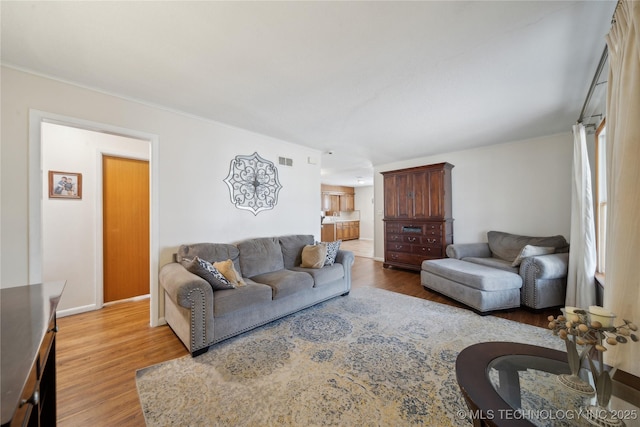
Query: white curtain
[[581, 286], [622, 281]]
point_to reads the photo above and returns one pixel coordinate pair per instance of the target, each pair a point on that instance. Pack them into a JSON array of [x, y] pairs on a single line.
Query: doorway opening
[[66, 236]]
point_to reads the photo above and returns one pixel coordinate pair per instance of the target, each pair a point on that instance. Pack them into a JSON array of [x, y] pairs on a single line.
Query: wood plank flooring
[[99, 352]]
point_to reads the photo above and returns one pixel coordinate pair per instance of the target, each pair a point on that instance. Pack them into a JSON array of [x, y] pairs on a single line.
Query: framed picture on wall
[[65, 185]]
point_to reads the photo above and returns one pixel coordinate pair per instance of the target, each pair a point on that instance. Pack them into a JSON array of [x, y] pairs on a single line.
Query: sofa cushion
[[285, 282], [507, 246], [208, 272], [314, 256], [325, 275], [530, 250], [292, 248], [261, 255], [493, 262], [231, 300], [212, 252], [473, 275]]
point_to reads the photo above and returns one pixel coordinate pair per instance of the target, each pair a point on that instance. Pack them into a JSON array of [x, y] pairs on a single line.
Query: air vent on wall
[[285, 161]]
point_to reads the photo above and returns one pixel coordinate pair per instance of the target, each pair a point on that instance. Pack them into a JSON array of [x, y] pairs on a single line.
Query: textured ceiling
[[372, 82]]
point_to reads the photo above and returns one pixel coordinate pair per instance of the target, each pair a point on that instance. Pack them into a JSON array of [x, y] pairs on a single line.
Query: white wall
[[520, 187], [364, 203], [194, 155], [71, 228]]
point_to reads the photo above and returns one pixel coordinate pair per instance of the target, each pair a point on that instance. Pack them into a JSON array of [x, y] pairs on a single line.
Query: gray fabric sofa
[[275, 287], [506, 272]]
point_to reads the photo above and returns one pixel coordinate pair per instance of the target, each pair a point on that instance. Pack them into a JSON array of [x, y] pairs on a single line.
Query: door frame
[[36, 194]]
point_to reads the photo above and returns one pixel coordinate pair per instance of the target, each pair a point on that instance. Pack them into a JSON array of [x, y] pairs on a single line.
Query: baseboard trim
[[76, 310]]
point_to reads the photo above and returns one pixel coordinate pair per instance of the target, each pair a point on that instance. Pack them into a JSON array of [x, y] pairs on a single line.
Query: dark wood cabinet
[[29, 354], [417, 215]]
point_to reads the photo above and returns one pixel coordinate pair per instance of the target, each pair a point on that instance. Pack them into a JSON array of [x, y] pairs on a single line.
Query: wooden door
[[436, 194], [398, 198], [390, 198], [125, 227], [420, 191]]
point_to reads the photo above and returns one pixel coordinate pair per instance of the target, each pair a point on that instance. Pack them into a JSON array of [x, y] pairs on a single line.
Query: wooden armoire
[[418, 223]]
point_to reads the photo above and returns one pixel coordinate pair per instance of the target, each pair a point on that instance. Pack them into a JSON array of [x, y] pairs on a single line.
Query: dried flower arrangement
[[592, 330], [588, 331]]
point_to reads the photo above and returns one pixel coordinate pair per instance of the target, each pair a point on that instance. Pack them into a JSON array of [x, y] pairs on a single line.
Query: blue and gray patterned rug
[[374, 358]]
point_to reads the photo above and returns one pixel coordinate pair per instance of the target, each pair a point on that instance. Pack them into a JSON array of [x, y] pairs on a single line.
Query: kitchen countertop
[[333, 221]]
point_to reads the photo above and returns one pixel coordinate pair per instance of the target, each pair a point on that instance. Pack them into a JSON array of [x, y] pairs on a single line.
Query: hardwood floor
[[99, 352]]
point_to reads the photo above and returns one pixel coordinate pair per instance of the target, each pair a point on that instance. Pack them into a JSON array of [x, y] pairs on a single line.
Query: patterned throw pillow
[[208, 272], [332, 252]]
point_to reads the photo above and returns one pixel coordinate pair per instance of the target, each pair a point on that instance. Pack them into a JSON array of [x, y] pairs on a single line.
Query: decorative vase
[[573, 380]]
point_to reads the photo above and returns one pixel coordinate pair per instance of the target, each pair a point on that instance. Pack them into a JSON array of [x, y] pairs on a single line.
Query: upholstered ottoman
[[480, 287]]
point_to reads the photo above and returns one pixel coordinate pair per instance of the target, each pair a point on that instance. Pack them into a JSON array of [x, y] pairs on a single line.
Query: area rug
[[373, 358]]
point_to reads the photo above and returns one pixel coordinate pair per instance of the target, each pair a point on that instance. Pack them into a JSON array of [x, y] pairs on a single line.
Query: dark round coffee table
[[513, 384]]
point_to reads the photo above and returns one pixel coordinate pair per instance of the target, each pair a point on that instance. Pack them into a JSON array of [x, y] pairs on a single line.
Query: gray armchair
[[544, 277]]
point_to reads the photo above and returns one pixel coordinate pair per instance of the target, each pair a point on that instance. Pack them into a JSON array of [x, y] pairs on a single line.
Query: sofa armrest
[[464, 250], [346, 258], [544, 280], [188, 306], [553, 266], [181, 284]]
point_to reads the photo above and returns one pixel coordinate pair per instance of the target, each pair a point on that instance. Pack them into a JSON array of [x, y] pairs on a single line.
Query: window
[[601, 196]]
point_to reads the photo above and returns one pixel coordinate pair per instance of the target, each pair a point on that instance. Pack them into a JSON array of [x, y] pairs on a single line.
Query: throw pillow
[[229, 272], [332, 251], [208, 272], [314, 256], [530, 250]]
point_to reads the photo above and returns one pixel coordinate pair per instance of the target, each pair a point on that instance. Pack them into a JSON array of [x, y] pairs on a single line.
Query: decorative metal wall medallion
[[253, 183]]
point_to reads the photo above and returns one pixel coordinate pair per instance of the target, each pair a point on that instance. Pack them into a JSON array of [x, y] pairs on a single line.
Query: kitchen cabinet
[[337, 198], [347, 202], [328, 233], [354, 230], [330, 202], [417, 215], [347, 230]]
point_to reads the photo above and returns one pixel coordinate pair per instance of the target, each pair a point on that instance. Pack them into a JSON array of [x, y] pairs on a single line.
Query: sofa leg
[[345, 294], [199, 352]]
